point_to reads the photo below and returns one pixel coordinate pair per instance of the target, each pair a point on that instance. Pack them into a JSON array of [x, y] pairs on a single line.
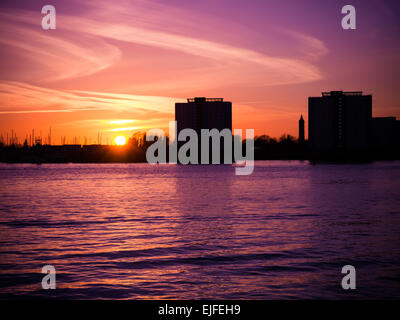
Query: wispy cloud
[[125, 129], [123, 121], [53, 57], [42, 111], [66, 57], [310, 46], [17, 97]]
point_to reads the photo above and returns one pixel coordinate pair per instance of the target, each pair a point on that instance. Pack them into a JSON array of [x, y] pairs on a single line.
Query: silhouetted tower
[[301, 129]]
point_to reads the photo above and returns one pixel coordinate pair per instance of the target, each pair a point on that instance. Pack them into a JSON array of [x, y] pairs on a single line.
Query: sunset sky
[[117, 67]]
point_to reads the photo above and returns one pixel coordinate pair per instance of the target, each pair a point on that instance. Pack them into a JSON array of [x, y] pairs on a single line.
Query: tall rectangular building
[[203, 113], [340, 121]]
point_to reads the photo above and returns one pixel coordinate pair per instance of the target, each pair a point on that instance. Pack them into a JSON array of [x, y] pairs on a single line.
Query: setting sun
[[120, 140]]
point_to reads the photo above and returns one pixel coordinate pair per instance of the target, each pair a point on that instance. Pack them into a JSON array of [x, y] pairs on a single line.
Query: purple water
[[189, 232]]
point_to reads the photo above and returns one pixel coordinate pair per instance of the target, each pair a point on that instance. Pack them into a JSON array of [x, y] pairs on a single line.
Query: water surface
[[136, 231]]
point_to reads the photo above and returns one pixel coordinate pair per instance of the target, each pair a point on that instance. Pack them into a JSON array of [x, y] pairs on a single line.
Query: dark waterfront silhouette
[[340, 129], [133, 151]]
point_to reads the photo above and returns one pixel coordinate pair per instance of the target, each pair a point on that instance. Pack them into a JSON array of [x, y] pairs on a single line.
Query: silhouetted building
[[385, 132], [203, 113], [301, 129], [340, 121]]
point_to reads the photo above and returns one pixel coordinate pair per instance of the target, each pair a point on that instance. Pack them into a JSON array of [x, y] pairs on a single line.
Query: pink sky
[[118, 67]]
